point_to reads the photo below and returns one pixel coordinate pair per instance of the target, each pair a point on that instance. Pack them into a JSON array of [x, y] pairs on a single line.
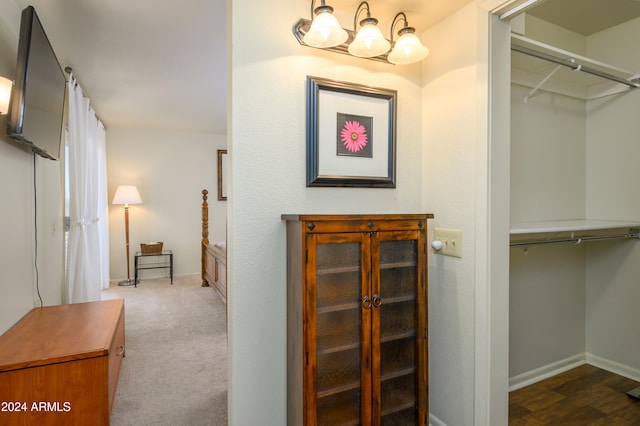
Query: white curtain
[[88, 246]]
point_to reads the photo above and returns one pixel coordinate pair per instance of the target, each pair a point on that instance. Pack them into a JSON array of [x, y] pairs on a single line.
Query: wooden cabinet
[[357, 319], [60, 364]]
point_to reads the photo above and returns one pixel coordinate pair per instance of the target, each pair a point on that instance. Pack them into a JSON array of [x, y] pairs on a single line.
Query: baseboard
[[566, 364], [434, 421], [614, 367], [546, 371], [152, 277], [185, 274]]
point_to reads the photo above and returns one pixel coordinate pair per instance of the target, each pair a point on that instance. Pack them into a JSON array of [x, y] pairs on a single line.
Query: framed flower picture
[[351, 135]]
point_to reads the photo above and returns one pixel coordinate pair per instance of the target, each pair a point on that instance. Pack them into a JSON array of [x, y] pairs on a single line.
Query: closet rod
[[576, 67], [634, 233]]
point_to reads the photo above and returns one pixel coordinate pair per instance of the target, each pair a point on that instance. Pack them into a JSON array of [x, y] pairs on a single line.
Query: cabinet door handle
[[366, 302], [377, 301], [121, 351]]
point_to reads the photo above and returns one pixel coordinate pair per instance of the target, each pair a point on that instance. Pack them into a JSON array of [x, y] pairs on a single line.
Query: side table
[[166, 261]]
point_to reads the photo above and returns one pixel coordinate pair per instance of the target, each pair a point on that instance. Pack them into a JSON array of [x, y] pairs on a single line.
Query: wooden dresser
[[60, 364]]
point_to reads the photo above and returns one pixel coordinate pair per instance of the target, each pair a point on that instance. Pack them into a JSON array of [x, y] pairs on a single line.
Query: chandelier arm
[[358, 10], [313, 9], [400, 15]]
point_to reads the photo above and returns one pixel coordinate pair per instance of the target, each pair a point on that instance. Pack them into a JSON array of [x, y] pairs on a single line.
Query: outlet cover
[[451, 241]]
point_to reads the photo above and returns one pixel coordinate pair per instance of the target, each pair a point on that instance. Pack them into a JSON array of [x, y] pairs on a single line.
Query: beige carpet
[[175, 368]]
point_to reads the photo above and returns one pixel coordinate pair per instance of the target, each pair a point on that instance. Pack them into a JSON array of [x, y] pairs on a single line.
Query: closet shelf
[[580, 76], [571, 231]]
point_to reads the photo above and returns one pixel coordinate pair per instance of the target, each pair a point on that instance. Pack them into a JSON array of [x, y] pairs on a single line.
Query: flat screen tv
[[37, 101]]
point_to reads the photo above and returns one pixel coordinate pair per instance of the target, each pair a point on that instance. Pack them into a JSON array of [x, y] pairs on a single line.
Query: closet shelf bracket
[[539, 85]]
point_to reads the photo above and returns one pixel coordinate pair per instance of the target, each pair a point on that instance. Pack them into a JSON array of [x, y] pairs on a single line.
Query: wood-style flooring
[[585, 395]]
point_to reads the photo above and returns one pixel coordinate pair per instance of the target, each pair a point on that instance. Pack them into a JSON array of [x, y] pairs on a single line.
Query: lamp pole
[[126, 233], [127, 194]]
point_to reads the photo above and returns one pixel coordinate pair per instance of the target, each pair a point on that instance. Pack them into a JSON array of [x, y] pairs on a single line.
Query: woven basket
[[151, 248]]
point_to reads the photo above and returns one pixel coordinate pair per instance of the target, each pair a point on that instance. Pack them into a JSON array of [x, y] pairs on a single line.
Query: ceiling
[[141, 64], [162, 65], [587, 17]]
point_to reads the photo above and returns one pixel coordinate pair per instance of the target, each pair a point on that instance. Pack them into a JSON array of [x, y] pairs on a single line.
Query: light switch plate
[[451, 241]]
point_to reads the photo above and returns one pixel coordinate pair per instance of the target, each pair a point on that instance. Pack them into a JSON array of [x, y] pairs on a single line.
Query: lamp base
[[127, 283]]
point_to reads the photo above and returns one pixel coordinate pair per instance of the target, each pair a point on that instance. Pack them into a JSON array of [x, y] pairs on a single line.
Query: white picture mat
[[329, 163]]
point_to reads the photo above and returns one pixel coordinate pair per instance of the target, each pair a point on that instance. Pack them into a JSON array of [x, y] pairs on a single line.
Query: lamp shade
[[408, 49], [325, 30], [5, 94], [369, 41], [127, 194]]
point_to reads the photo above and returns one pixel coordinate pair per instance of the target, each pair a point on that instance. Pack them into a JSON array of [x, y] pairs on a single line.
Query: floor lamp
[[127, 194]]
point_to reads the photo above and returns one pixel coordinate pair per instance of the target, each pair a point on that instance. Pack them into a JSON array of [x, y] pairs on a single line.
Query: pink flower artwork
[[354, 136]]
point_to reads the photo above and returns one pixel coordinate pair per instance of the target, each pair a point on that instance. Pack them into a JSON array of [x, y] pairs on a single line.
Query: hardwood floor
[[585, 395]]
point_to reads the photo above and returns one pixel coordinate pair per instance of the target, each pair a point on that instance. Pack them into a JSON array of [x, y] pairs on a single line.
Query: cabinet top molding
[[361, 223], [332, 217]]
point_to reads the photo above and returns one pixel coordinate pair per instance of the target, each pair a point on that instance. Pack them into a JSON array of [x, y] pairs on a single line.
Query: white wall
[[612, 143], [267, 152], [170, 170], [548, 182], [547, 306], [548, 157], [467, 310], [18, 280], [449, 168], [613, 339], [612, 176], [553, 34], [16, 250]]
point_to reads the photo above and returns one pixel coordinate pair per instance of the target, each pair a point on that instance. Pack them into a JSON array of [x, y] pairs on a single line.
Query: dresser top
[[60, 333]]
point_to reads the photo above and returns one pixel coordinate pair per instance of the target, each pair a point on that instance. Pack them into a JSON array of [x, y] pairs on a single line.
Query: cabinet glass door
[[340, 345], [400, 300]]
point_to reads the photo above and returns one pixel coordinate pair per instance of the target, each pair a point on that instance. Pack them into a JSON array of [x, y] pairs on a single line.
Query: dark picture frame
[[222, 172], [351, 134]]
